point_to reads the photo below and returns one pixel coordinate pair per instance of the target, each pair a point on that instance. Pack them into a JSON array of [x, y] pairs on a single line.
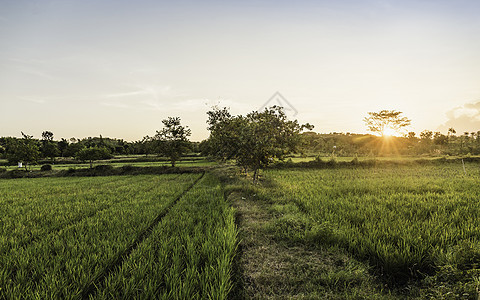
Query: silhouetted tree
[[378, 122]]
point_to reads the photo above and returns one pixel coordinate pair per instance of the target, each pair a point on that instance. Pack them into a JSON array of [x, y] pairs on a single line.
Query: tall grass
[[410, 222]]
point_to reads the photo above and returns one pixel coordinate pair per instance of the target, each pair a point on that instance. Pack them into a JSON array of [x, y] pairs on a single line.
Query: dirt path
[[269, 269]]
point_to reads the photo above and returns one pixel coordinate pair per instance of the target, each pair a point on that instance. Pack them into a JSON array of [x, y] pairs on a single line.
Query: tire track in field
[[97, 282], [70, 222], [26, 242]]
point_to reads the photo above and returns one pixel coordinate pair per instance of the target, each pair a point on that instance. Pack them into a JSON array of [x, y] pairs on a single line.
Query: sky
[[117, 68]]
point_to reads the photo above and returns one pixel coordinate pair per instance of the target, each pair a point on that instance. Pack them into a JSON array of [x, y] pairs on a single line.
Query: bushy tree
[[92, 154], [23, 150], [62, 147], [254, 140], [172, 140], [49, 147]]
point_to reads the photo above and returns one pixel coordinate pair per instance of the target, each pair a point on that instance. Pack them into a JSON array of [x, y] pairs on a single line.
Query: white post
[[463, 164], [20, 165]]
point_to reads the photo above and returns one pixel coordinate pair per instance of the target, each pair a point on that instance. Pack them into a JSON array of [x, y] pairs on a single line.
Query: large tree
[[92, 154], [254, 140], [23, 150], [49, 147], [172, 141], [386, 121]]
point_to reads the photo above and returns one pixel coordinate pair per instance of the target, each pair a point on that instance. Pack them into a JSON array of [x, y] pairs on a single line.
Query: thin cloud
[[33, 100], [116, 105], [36, 73], [144, 97], [127, 94], [27, 61]]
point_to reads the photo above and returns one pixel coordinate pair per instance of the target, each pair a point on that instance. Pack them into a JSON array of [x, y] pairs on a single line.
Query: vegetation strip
[[90, 290]]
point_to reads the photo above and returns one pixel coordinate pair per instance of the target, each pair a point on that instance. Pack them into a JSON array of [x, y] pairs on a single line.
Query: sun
[[389, 131]]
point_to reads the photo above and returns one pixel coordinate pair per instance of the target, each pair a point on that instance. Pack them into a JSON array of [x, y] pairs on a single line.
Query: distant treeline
[[49, 149], [314, 144], [428, 143]]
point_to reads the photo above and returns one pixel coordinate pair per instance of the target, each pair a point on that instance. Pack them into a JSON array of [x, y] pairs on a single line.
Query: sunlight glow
[[388, 131]]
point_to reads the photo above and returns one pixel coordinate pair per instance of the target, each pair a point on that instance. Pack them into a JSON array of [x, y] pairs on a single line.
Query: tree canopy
[[254, 140], [172, 140], [23, 150], [386, 120], [92, 154]]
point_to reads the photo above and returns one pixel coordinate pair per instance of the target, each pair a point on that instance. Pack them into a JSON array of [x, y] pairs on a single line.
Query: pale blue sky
[[117, 68]]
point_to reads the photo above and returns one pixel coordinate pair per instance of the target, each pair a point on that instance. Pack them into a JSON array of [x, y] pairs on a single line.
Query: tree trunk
[[255, 176]]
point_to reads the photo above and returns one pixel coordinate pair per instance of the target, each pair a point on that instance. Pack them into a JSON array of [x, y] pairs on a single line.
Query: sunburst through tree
[[386, 124]]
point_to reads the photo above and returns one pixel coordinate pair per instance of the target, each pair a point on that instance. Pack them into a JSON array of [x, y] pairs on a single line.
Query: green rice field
[[413, 224], [349, 231], [69, 238]]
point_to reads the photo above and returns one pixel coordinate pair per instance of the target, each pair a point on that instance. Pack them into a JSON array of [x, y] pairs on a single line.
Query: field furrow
[[63, 263], [188, 255]]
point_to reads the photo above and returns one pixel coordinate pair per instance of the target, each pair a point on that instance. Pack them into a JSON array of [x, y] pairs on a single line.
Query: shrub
[[128, 168], [103, 168], [46, 168]]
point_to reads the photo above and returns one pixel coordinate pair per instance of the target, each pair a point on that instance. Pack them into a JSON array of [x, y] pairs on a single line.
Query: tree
[[224, 133], [49, 147], [62, 146], [426, 136], [451, 131], [172, 140], [254, 140], [146, 145], [440, 139], [23, 150], [92, 154], [378, 123]]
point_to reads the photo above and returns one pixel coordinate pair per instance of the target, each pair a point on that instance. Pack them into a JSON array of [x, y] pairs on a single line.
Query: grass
[[417, 226], [382, 231], [183, 163], [62, 236], [269, 269], [188, 256]]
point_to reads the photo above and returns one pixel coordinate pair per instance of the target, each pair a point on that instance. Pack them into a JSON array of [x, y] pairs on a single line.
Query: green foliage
[[46, 168], [254, 140], [24, 150], [172, 140], [49, 147], [92, 154]]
